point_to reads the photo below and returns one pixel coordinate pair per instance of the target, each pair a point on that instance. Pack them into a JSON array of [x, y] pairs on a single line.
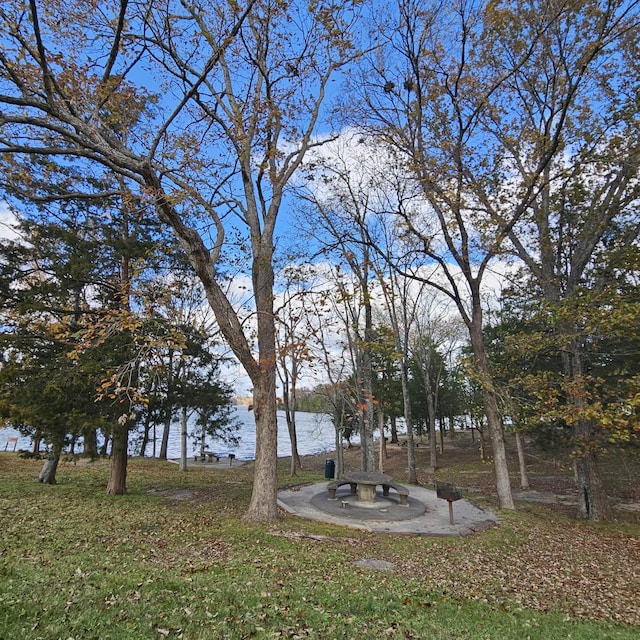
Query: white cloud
[[7, 223]]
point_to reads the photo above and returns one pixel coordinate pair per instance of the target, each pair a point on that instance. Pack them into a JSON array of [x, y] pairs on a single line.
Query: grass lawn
[[173, 559]]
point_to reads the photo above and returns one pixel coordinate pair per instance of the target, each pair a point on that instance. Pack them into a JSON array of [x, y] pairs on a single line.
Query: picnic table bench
[[364, 483]]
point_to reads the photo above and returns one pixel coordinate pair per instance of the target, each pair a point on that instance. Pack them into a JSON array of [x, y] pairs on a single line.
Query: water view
[[315, 435]]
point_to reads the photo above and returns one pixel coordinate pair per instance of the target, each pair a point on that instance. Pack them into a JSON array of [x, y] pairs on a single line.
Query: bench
[[364, 485]]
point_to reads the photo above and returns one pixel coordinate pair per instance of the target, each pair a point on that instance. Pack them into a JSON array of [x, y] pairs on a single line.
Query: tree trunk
[[263, 506], [593, 502], [431, 411], [367, 449], [338, 417], [524, 478], [290, 401], [383, 448], [394, 430], [50, 466], [37, 439], [104, 449], [408, 418], [293, 437], [117, 485], [490, 402], [146, 429], [164, 444], [183, 440], [90, 443]]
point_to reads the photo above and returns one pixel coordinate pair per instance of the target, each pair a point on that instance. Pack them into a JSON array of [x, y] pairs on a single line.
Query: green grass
[[76, 563]]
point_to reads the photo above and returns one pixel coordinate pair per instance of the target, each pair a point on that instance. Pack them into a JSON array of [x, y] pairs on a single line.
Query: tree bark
[[492, 412], [593, 502], [290, 402], [90, 443], [37, 439], [146, 429], [339, 452], [394, 430], [168, 408], [164, 444], [408, 418], [524, 478], [183, 440], [117, 484], [431, 417], [383, 448], [48, 472], [263, 506]]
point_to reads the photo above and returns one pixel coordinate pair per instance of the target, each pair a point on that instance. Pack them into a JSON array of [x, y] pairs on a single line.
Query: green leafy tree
[[53, 283]]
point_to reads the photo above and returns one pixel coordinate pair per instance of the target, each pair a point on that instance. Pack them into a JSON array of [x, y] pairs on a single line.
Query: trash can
[[329, 469]]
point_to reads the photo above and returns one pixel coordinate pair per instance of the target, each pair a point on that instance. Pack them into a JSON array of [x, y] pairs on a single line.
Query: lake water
[[315, 435]]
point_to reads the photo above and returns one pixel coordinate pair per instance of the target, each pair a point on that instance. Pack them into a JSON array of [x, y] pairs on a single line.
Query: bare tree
[[206, 111], [294, 332], [584, 74], [340, 210], [437, 93]]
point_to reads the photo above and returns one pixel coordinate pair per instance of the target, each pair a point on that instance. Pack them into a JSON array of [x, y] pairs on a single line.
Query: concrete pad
[[429, 515]]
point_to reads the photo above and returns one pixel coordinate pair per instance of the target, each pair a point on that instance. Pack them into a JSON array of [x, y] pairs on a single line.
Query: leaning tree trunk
[[293, 437], [146, 430], [117, 485], [48, 472], [494, 421], [164, 444]]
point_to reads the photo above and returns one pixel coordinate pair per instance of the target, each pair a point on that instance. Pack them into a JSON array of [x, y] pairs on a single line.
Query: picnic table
[[364, 483], [208, 456]]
